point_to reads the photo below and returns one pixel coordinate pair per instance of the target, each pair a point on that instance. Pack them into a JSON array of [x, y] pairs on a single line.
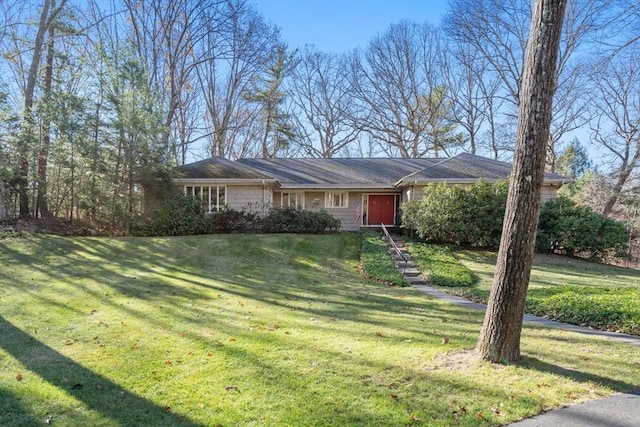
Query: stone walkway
[[620, 410]]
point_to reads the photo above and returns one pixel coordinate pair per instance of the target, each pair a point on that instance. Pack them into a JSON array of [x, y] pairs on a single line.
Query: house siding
[[549, 192], [347, 216], [255, 198]]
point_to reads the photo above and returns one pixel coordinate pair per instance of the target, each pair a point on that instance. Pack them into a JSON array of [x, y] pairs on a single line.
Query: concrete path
[[620, 410]]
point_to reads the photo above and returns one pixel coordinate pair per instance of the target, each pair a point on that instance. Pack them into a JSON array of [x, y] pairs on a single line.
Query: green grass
[[260, 330], [377, 262], [569, 290], [440, 266]]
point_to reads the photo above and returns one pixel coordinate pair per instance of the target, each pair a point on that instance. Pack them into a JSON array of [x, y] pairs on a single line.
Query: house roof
[[345, 172], [220, 168], [354, 172], [468, 167]]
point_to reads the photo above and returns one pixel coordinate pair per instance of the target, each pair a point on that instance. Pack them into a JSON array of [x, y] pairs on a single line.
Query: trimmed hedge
[[294, 220], [183, 216], [377, 263], [441, 266]]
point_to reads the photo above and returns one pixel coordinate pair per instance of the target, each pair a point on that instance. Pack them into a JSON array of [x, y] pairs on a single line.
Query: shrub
[[377, 262], [230, 220], [441, 266], [570, 229], [182, 215], [294, 220], [178, 216], [460, 215]]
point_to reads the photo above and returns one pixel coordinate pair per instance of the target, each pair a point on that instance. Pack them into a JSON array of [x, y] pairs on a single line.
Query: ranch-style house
[[361, 192]]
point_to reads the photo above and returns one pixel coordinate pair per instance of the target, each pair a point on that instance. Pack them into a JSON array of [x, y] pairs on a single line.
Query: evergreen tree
[[278, 130]]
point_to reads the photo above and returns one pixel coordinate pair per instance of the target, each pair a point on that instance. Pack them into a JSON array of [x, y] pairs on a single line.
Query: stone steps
[[403, 262]]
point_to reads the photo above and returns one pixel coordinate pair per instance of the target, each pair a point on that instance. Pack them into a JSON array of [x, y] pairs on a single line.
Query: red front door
[[381, 209]]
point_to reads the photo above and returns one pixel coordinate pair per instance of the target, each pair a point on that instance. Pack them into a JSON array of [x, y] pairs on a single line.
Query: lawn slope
[[259, 330]]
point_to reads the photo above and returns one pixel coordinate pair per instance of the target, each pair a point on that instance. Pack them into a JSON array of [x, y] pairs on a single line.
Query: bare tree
[[237, 47], [398, 80], [498, 31], [165, 33], [472, 90], [616, 102], [325, 107], [500, 336]]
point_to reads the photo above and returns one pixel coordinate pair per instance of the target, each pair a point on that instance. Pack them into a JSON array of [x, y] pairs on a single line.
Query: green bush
[[569, 229], [377, 262], [182, 215], [178, 216], [230, 220], [441, 266], [470, 215], [294, 220], [473, 215]]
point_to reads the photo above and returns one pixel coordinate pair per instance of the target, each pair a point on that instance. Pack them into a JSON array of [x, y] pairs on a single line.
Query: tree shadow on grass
[[580, 376], [95, 391]]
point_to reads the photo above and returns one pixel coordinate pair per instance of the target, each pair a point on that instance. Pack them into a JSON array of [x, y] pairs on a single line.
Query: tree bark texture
[[500, 336]]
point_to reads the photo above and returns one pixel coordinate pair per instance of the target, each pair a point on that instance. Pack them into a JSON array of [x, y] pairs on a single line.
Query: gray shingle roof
[[340, 171], [219, 168], [355, 172]]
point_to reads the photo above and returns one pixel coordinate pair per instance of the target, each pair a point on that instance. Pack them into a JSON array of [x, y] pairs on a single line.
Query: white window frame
[[286, 199], [214, 196], [336, 199]]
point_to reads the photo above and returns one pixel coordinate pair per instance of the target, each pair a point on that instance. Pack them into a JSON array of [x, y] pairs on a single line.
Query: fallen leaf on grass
[[69, 342], [19, 377], [231, 388], [461, 411], [379, 334]]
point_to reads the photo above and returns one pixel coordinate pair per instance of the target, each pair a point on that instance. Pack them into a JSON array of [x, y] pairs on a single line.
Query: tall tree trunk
[[42, 205], [47, 16], [500, 336]]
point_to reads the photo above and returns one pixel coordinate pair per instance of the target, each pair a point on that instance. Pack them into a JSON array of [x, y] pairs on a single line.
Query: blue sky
[[337, 26]]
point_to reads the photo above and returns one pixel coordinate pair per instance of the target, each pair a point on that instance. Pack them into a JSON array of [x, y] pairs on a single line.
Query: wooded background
[[98, 98]]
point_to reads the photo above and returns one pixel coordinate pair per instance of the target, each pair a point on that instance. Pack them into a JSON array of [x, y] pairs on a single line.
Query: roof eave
[[317, 186], [227, 181]]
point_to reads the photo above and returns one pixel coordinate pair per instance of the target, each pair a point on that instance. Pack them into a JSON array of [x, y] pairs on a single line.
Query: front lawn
[[569, 290], [260, 330]]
